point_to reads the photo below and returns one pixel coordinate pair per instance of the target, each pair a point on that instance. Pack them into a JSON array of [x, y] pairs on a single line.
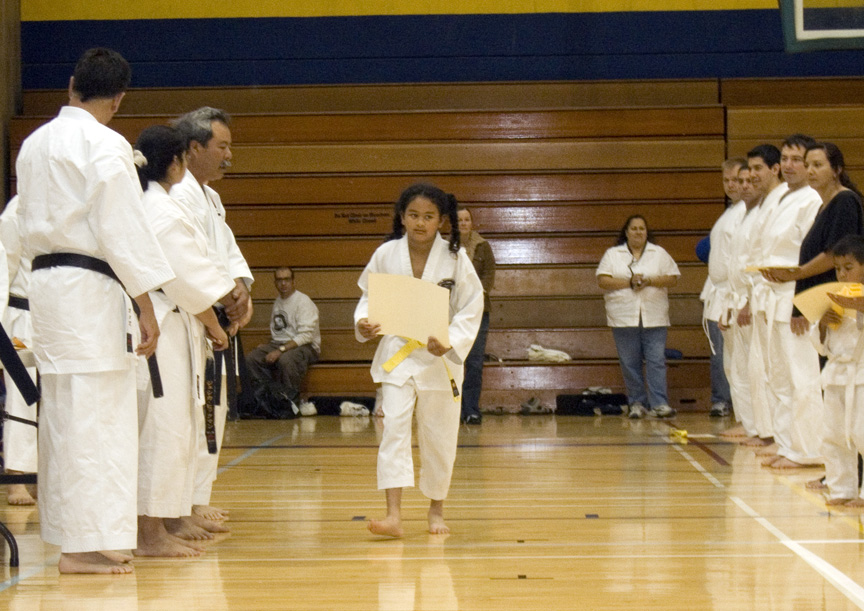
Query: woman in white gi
[[635, 276], [427, 376], [168, 434]]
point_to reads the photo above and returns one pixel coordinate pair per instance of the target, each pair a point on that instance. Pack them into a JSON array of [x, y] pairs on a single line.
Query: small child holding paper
[[842, 341], [430, 375]]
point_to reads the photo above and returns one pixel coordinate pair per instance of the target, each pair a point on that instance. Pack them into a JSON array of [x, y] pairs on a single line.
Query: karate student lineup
[[128, 286]]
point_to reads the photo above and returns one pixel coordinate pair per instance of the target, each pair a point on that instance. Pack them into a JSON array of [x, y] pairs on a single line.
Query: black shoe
[[473, 419]]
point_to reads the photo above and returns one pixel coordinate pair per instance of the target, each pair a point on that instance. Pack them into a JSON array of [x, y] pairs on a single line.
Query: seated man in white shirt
[[295, 338]]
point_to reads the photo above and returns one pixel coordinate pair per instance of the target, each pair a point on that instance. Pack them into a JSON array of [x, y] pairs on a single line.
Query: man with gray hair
[[209, 157]]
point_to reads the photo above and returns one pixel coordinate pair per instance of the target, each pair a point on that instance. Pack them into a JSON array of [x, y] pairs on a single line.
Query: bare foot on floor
[[167, 547], [17, 494], [115, 556], [736, 432], [769, 450], [213, 526], [769, 462], [390, 526], [436, 523], [154, 540], [855, 504], [214, 514], [834, 502], [816, 484], [91, 563], [755, 442], [185, 528], [785, 463]]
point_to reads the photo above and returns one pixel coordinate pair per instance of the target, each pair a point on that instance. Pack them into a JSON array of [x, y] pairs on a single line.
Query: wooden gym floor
[[547, 513]]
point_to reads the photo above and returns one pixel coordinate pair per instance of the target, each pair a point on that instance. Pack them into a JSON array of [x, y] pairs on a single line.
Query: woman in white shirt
[[635, 276]]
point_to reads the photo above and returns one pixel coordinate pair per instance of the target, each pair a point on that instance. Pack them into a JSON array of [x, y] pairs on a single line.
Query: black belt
[[71, 259], [19, 303]]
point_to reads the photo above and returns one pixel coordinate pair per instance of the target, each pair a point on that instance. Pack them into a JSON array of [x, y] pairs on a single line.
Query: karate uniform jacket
[[79, 193], [466, 311]]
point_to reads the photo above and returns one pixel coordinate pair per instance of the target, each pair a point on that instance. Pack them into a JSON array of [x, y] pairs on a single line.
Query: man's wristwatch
[[282, 348]]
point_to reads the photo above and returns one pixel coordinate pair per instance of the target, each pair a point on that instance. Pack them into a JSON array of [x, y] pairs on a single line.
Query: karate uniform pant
[[736, 355], [796, 391], [437, 434], [207, 465], [841, 460], [167, 429], [19, 439], [757, 371], [88, 460]]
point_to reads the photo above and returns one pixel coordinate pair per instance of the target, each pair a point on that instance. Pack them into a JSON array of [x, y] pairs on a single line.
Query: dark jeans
[[473, 382], [289, 370]]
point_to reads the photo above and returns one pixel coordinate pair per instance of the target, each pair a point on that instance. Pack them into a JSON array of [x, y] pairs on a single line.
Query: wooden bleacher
[[550, 170]]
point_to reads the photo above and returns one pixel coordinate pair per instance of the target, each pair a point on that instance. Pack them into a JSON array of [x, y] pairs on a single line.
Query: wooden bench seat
[[510, 281], [340, 127], [510, 344], [411, 96], [530, 250], [491, 218]]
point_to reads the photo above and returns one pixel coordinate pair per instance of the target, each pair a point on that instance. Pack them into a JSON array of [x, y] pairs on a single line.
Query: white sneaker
[[349, 409], [307, 408], [636, 411], [663, 411]]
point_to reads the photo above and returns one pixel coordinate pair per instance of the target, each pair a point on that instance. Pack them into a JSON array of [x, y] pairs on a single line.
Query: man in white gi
[[209, 157], [19, 439], [736, 338], [717, 284], [84, 228], [764, 165], [295, 338], [792, 363]]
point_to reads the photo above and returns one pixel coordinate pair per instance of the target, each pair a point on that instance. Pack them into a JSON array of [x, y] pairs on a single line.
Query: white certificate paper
[[409, 307]]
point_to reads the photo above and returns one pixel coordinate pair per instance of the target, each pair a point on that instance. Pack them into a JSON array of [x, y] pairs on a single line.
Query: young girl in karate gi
[[843, 381], [430, 376]]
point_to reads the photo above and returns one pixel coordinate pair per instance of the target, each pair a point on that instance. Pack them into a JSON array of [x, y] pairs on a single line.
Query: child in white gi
[[843, 382], [415, 248]]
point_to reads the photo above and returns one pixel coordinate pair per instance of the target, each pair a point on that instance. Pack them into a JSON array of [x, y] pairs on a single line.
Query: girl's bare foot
[[769, 450], [769, 462], [436, 519], [391, 526], [736, 432], [92, 563], [816, 484], [785, 463], [17, 494], [833, 502], [855, 503]]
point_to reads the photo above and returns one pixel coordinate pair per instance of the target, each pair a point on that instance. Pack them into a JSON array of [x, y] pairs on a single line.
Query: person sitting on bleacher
[[295, 339]]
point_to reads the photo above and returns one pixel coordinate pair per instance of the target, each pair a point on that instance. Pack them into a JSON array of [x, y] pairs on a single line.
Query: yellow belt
[[410, 346]]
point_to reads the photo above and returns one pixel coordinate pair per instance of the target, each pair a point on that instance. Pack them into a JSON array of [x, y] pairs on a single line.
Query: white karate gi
[[422, 377], [168, 431], [843, 417], [204, 206], [791, 364], [19, 439], [757, 366], [79, 193], [737, 339], [715, 292]]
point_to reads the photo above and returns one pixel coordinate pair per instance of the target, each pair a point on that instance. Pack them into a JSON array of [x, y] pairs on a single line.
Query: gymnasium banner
[[810, 25]]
